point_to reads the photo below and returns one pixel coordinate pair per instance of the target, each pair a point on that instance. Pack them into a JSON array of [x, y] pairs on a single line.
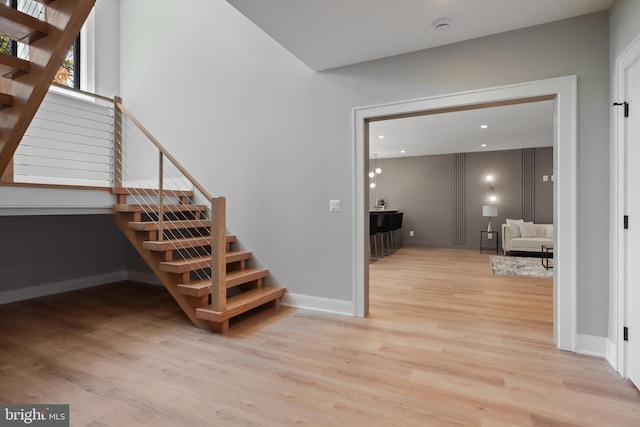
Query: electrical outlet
[[411, 234], [334, 205]]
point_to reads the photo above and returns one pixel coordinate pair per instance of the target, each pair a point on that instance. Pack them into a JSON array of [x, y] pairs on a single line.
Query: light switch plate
[[334, 205]]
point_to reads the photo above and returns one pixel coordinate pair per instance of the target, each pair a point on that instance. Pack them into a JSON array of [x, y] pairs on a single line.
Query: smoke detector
[[442, 24]]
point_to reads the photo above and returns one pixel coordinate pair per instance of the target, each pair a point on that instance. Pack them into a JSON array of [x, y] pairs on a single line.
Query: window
[[8, 46], [69, 72]]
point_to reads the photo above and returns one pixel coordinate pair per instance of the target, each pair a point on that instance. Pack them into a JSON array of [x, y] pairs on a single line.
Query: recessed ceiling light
[[380, 136], [402, 151], [484, 126], [442, 24], [483, 145]]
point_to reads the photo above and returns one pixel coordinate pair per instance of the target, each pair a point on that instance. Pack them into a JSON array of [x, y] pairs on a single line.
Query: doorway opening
[[563, 91]]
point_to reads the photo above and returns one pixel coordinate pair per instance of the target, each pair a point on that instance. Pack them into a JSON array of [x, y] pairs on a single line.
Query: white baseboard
[[591, 346], [148, 278], [318, 304], [14, 295], [612, 354]]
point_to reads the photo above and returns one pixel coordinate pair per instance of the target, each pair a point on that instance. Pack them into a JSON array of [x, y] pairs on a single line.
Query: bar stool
[[373, 231], [384, 229], [396, 229]]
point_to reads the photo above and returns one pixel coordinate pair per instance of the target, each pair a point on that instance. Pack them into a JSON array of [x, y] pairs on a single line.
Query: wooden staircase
[[23, 84], [183, 256], [189, 253]]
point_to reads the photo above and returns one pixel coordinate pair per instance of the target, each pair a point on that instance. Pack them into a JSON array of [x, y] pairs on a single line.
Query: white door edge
[[617, 311]]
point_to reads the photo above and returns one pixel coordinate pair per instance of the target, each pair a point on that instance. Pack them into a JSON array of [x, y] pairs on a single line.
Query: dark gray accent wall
[[442, 196], [543, 190], [504, 166], [459, 197], [527, 190], [423, 188], [135, 262], [40, 250]]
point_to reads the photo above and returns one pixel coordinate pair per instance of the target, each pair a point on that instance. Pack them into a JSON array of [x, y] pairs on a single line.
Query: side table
[[546, 253], [489, 236]]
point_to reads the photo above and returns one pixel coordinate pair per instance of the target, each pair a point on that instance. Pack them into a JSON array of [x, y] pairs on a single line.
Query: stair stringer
[[65, 19], [170, 282]]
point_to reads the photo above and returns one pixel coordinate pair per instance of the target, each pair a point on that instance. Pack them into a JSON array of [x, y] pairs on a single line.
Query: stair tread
[[192, 242], [12, 67], [241, 303], [154, 208], [168, 225], [238, 277], [150, 192], [230, 254], [233, 278], [21, 27], [5, 100], [196, 263]]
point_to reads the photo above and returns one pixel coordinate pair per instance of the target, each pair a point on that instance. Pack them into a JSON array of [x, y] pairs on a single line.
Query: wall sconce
[[492, 189]]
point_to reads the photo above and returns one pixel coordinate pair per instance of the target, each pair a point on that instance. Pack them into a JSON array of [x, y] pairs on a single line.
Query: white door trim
[[565, 188], [618, 187]]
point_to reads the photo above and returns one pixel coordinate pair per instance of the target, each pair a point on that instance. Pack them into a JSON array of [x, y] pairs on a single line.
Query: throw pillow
[[527, 229], [549, 231], [514, 227]]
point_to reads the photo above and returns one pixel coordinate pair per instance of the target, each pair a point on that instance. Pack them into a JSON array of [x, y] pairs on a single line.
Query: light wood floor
[[446, 344]]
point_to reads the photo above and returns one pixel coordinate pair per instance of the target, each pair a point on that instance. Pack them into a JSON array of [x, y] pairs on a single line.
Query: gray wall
[[543, 193], [422, 187], [40, 250], [256, 125], [624, 16], [107, 47]]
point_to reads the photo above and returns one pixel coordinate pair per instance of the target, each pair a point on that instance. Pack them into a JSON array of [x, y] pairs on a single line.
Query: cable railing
[[69, 142], [91, 140], [170, 198]]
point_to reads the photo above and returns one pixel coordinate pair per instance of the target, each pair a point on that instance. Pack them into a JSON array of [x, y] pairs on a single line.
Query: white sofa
[[518, 236]]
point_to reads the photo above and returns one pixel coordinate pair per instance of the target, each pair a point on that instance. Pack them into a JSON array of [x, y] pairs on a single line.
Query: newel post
[[117, 142], [218, 254]]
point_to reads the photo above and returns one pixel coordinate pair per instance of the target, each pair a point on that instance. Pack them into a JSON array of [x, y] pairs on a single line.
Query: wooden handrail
[[164, 151], [83, 92]]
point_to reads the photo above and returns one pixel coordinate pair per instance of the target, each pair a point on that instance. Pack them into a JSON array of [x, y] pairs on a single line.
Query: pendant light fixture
[[375, 171]]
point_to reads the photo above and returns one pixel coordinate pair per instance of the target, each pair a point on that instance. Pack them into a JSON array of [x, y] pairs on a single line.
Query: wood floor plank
[[446, 344]]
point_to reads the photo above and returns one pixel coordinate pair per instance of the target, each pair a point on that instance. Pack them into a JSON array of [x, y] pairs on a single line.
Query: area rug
[[519, 266]]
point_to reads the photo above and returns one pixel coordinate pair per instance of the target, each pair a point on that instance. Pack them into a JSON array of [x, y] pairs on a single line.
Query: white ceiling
[[508, 127], [326, 34]]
